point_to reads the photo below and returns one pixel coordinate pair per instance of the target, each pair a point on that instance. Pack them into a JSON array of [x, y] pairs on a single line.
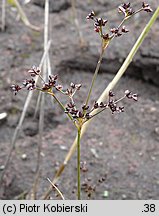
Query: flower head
[[146, 7], [15, 88], [126, 9], [34, 71]]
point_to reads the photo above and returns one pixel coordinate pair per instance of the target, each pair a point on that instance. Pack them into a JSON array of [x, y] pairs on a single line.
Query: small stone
[[26, 1], [157, 130], [106, 194], [2, 167], [94, 153], [63, 147], [100, 143], [42, 154], [152, 110], [124, 196], [24, 156], [3, 117], [140, 154], [114, 157], [153, 158]]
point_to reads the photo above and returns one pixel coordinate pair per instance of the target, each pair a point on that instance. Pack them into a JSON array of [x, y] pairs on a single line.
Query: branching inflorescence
[[82, 114], [100, 23]]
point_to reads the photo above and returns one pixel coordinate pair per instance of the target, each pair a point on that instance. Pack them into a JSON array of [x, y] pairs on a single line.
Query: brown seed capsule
[[124, 30], [59, 87], [78, 86], [72, 85], [34, 71], [105, 36], [146, 7], [15, 88], [96, 105], [111, 94]]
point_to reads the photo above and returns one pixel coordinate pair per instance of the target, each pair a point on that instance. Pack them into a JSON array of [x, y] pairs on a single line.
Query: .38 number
[[149, 208]]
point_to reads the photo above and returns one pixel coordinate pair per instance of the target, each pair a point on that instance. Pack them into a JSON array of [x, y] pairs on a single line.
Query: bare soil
[[122, 148]]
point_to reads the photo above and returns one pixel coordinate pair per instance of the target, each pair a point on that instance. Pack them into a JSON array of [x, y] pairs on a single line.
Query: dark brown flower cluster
[[27, 84], [118, 32], [99, 23], [30, 84], [89, 188], [130, 95], [76, 113], [15, 88], [124, 8], [128, 11], [34, 71], [112, 103], [146, 7], [86, 113], [51, 83]]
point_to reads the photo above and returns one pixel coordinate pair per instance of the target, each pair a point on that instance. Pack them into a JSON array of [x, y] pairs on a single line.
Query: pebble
[[152, 110], [63, 147], [24, 156], [3, 116], [140, 154], [2, 167], [124, 196], [153, 158], [94, 153], [42, 154], [100, 143], [106, 194], [157, 130]]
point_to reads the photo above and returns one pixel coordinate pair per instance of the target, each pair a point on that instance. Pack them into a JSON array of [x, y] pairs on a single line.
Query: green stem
[[95, 75], [78, 164], [61, 105]]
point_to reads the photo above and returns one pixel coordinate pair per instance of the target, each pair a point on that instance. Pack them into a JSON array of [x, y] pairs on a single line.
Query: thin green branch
[[78, 165], [95, 75]]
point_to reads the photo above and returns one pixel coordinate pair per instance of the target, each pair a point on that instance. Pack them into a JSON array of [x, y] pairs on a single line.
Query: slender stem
[[78, 164], [61, 105], [41, 78], [95, 75], [117, 101], [96, 113], [122, 22], [141, 9], [57, 100]]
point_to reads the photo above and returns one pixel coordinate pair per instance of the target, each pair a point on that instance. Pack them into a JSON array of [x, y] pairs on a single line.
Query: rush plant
[[83, 114]]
